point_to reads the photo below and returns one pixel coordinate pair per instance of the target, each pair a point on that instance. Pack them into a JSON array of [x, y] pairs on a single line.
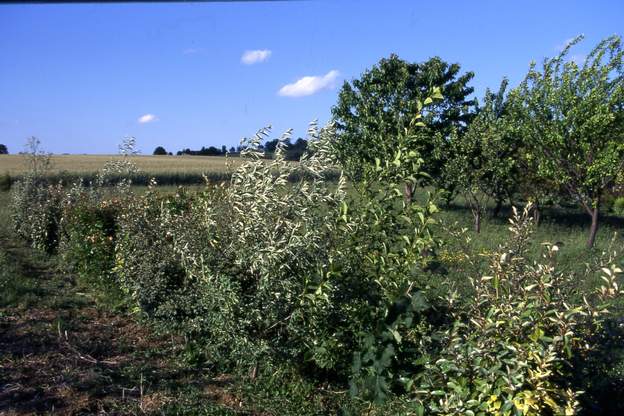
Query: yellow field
[[15, 164]]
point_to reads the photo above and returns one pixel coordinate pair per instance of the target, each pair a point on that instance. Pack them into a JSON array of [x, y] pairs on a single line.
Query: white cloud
[[147, 118], [253, 57], [309, 85]]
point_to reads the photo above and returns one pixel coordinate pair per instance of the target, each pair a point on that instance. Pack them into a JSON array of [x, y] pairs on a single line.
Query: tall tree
[[160, 151], [3, 150], [574, 122], [373, 111]]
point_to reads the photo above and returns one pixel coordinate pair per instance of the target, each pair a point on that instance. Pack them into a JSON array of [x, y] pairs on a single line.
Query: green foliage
[[484, 162], [508, 349], [618, 206], [374, 110], [35, 204], [263, 270], [330, 285], [36, 212], [389, 244], [5, 182], [234, 259], [574, 123], [153, 274], [88, 232]]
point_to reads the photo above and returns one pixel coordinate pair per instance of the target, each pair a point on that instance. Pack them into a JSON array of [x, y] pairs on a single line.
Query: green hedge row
[[262, 272]]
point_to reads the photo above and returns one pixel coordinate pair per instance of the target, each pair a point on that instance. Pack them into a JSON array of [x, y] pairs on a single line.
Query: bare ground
[[60, 353]]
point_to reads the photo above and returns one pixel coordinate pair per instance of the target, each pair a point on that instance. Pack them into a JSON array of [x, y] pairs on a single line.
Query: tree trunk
[[537, 213], [510, 198], [408, 193], [477, 223], [497, 208], [448, 197], [593, 230]]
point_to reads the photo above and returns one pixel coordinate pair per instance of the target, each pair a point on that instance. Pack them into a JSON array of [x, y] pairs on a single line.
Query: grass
[[568, 227]]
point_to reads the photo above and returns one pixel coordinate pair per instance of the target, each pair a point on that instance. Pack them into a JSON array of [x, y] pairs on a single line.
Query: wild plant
[[508, 350], [90, 216], [35, 204]]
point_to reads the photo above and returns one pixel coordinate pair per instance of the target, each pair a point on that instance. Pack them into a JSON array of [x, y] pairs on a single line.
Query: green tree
[[3, 150], [374, 110], [573, 116], [160, 151], [484, 164]]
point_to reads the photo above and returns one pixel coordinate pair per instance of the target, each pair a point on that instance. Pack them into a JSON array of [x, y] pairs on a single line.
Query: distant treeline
[[293, 150]]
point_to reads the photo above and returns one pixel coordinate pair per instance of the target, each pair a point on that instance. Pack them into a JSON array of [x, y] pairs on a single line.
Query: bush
[[88, 233], [509, 347], [262, 270], [618, 206], [226, 266], [148, 268], [36, 212]]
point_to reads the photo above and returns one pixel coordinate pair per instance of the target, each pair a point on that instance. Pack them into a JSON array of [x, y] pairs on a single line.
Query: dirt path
[[61, 353]]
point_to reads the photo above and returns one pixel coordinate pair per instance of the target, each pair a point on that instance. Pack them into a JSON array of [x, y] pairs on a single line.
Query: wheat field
[[15, 165]]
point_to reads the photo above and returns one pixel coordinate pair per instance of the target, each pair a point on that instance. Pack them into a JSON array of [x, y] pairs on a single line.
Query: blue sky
[[81, 77]]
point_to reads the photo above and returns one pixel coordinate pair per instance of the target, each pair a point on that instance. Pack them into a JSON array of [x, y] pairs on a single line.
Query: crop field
[[80, 164]]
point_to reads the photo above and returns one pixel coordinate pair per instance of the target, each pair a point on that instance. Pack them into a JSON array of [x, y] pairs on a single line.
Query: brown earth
[[61, 353]]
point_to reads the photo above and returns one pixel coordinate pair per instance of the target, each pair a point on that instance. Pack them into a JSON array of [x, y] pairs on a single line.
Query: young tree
[[160, 151], [3, 150], [38, 161], [574, 122], [484, 161], [374, 110]]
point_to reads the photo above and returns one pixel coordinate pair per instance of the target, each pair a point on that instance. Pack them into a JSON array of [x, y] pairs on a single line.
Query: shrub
[[263, 270], [618, 206], [88, 233], [226, 266], [146, 263], [89, 223], [507, 351], [36, 212]]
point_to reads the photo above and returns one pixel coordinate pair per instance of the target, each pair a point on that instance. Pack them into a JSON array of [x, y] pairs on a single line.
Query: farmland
[[81, 164]]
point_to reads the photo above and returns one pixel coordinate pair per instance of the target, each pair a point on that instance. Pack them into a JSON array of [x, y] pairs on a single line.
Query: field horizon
[[15, 164]]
